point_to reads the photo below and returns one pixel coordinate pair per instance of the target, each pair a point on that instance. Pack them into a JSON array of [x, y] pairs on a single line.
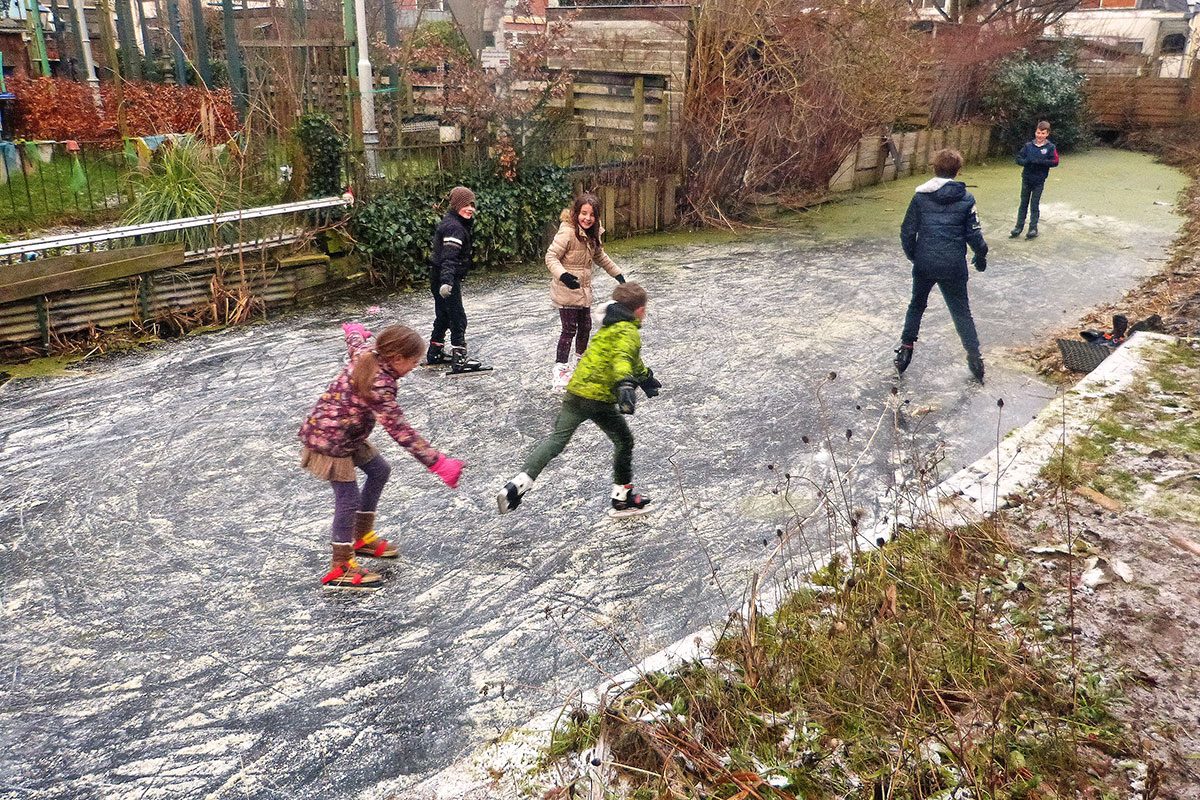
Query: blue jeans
[[954, 292], [1031, 196]]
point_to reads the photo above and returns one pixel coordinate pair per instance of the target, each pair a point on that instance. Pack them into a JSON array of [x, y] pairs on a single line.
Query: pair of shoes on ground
[[624, 501], [1015, 232], [344, 571], [904, 354]]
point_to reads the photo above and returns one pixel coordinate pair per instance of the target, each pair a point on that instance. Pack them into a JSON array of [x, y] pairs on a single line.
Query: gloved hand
[[569, 280], [626, 396], [980, 262], [620, 277], [650, 384], [356, 327], [448, 469], [446, 290]]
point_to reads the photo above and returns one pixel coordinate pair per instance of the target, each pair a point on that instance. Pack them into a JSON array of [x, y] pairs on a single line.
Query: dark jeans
[[954, 291], [348, 500], [575, 411], [449, 315], [1031, 196], [577, 325]]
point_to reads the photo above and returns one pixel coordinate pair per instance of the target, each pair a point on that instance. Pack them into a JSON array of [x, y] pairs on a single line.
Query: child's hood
[[615, 312]]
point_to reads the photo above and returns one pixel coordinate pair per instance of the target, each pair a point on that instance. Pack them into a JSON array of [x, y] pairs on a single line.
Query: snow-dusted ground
[[163, 635]]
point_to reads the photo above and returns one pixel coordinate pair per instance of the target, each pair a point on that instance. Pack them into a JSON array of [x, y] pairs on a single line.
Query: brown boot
[[366, 542], [345, 572]]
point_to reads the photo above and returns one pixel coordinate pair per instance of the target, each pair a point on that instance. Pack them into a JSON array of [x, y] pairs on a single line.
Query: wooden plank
[[91, 275], [45, 267]]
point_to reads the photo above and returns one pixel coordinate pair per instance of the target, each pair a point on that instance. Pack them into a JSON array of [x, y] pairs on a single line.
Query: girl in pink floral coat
[[335, 444]]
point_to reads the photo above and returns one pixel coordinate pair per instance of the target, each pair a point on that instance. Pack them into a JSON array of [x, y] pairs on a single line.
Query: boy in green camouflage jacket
[[602, 389]]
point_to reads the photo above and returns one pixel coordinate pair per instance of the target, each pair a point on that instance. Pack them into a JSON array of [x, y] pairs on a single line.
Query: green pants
[[575, 411]]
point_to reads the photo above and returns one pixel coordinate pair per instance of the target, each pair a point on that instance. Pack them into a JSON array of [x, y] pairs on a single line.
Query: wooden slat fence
[[1124, 102]]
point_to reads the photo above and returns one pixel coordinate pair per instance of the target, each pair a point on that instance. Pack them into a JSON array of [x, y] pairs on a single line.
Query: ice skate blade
[[632, 512], [350, 587], [453, 374]]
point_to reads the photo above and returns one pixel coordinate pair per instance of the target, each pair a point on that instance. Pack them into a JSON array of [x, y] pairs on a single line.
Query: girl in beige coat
[[570, 257]]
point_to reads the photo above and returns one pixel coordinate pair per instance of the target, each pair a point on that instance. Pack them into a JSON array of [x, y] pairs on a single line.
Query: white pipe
[[85, 43], [366, 90]]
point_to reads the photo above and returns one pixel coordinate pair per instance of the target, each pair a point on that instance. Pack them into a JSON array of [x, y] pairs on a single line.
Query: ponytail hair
[[398, 341]]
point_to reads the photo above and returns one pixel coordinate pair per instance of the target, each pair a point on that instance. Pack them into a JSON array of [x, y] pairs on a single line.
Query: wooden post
[[638, 116], [608, 201]]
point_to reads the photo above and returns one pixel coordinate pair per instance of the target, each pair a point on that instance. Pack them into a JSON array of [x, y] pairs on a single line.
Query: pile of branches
[[779, 92]]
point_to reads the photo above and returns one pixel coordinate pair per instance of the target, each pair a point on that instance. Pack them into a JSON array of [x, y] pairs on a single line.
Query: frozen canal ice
[[163, 633]]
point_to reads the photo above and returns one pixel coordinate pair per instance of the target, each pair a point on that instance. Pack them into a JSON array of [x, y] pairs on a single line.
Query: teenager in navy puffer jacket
[[1036, 159], [940, 224]]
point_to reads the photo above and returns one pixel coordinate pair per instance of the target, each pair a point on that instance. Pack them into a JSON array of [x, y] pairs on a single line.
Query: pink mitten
[[355, 327], [448, 469]]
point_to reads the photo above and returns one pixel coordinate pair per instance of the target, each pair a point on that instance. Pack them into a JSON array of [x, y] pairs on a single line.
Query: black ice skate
[[510, 496], [627, 503], [904, 354], [436, 356], [975, 363], [461, 364]]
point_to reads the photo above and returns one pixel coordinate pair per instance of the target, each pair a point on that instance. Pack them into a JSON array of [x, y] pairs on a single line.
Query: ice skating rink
[[163, 633]]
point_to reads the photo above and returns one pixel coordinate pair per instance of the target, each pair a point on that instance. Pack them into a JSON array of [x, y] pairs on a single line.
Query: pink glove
[[355, 327], [448, 469]]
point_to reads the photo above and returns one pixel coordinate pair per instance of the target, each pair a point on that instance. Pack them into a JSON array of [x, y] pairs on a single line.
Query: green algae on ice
[[1101, 193], [49, 367]]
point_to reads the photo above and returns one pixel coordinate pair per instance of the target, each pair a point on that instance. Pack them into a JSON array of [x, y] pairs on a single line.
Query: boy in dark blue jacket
[[449, 262], [1036, 158], [940, 223]]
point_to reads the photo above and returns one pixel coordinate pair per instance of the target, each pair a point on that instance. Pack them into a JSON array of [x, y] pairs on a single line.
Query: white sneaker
[[561, 376]]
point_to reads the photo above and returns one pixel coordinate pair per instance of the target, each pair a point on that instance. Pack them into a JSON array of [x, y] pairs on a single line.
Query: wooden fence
[[1122, 102], [880, 158]]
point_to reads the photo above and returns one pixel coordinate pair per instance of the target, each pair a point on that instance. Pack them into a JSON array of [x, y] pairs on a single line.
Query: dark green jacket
[[614, 354]]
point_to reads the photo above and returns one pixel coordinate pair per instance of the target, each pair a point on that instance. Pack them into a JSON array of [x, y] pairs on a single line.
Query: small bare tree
[[778, 91]]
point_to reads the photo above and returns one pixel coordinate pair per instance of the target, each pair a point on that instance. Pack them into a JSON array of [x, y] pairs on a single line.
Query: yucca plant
[[186, 179]]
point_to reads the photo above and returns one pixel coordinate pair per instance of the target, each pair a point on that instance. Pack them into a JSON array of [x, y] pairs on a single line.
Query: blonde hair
[[398, 341]]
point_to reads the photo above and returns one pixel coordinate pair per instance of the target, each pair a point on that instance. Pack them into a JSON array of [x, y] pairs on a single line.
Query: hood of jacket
[[943, 191], [614, 312]]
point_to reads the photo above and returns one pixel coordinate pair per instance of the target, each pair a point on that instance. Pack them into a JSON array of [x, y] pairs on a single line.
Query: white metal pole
[[366, 90], [85, 44]]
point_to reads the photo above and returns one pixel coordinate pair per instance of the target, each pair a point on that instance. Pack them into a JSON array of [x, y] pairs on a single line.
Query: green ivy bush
[[324, 149], [394, 227], [1027, 90]]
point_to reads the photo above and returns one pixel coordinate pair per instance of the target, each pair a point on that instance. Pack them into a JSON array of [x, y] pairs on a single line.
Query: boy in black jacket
[[940, 223], [1036, 158], [449, 262]]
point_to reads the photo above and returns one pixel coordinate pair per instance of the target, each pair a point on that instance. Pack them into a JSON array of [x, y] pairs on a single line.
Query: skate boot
[[627, 503], [975, 364], [1033, 234], [904, 354], [461, 364], [1015, 232], [560, 376], [366, 541], [345, 572], [510, 496], [436, 355]]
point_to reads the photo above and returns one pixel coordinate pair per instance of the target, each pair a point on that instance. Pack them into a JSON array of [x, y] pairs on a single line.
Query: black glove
[[626, 396], [569, 280], [980, 262], [650, 384], [620, 277]]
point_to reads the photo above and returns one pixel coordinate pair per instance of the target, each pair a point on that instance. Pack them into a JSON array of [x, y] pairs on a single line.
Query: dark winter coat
[[940, 223], [450, 259], [1037, 161]]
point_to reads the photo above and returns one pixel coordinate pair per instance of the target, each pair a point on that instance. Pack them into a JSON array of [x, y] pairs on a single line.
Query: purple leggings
[[348, 500], [577, 325]]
